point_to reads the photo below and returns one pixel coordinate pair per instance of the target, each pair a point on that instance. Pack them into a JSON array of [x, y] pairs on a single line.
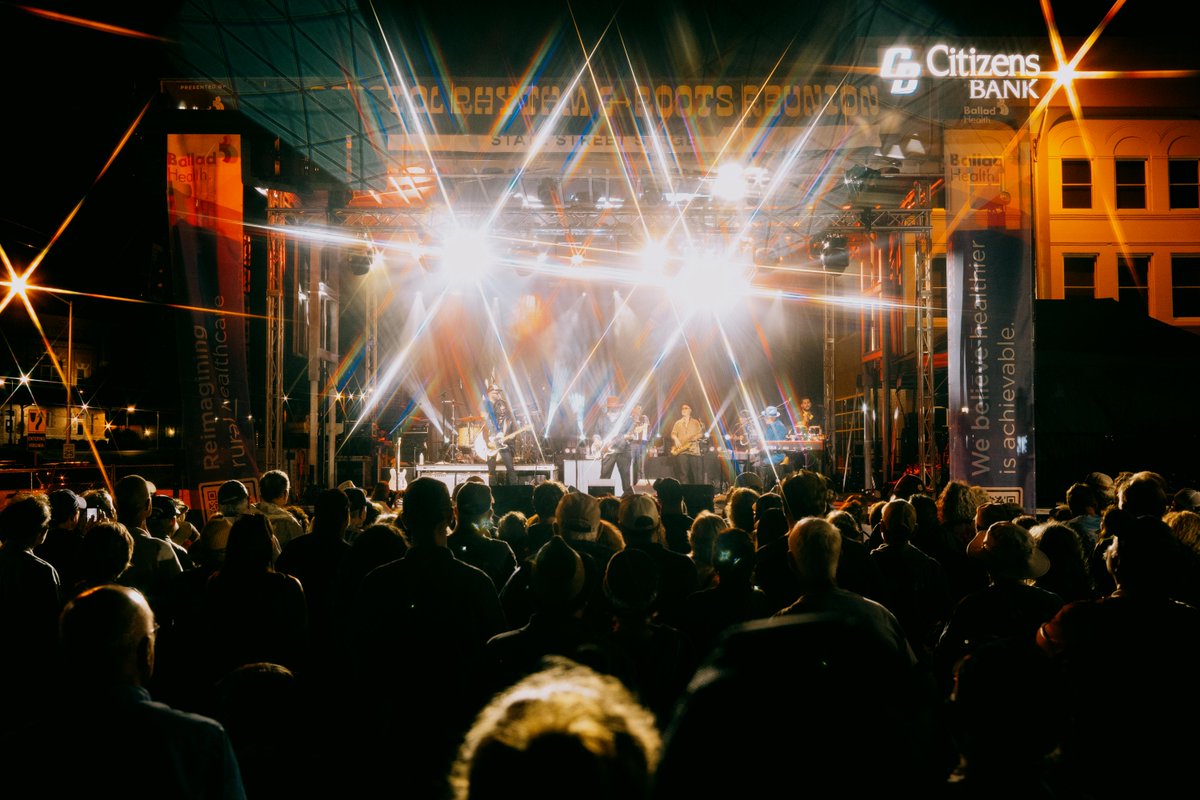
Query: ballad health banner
[[990, 316], [204, 199]]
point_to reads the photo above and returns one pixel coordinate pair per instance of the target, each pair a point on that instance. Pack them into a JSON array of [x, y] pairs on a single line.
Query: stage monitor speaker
[[698, 497], [518, 497], [601, 491]]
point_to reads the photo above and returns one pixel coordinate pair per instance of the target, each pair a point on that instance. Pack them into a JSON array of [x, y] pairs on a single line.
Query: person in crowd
[[703, 540], [253, 613], [30, 598], [512, 529], [918, 593], [731, 599], [545, 501], [804, 494], [360, 508], [154, 562], [1129, 662], [1084, 507], [642, 528], [143, 748], [1009, 607], [471, 540], [65, 537], [105, 554], [563, 729], [675, 517], [275, 488], [739, 508], [418, 635], [165, 513], [1068, 576]]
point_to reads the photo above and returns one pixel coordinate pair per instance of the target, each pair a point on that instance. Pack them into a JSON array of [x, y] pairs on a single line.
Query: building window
[[1184, 177], [1079, 276], [1133, 273], [1185, 286], [1076, 183], [1131, 183]]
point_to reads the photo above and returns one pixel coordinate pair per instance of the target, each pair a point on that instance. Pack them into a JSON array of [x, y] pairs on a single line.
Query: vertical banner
[[989, 275], [204, 200]]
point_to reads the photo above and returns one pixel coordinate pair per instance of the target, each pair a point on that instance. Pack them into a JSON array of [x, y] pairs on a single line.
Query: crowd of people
[[424, 646]]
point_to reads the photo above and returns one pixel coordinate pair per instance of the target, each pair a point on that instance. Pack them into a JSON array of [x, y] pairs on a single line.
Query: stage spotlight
[[466, 256], [654, 257], [859, 178], [835, 254], [730, 182], [359, 262]]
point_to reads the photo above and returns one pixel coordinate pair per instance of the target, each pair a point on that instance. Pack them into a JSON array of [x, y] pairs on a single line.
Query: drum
[[467, 434]]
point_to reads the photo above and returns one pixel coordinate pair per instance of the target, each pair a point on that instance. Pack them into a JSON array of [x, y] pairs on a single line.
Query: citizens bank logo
[[899, 66], [989, 76]]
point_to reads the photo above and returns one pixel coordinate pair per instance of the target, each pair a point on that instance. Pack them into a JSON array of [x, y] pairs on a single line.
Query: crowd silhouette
[[419, 645]]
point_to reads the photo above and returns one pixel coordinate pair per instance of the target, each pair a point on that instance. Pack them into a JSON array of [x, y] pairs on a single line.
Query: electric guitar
[[487, 448]]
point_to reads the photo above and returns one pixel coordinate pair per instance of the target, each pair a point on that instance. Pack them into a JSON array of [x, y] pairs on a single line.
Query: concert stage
[[454, 474]]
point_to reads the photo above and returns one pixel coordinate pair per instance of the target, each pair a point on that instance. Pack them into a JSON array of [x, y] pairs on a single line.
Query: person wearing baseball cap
[[641, 524], [65, 537]]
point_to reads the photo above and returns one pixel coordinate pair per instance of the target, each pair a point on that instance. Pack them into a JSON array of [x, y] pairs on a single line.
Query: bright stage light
[[730, 182], [713, 282], [18, 285], [466, 256], [654, 257]]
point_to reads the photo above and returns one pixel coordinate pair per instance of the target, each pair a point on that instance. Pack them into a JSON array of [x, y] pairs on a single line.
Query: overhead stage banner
[[204, 200]]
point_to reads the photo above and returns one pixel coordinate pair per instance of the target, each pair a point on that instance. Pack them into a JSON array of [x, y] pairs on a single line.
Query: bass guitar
[[487, 448]]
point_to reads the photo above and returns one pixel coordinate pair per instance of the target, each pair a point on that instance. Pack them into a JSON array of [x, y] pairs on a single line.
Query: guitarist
[[614, 438], [501, 425], [685, 440], [639, 440]]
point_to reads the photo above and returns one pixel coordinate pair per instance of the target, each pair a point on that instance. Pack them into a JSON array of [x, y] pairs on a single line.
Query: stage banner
[[989, 276], [204, 200]]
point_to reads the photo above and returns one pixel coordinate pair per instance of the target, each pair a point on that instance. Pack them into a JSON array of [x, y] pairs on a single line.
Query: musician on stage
[[639, 440], [501, 426], [805, 416], [685, 445], [614, 444], [770, 458]]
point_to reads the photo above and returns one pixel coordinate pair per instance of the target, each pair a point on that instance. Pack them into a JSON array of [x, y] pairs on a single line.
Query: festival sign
[[989, 276], [204, 200]]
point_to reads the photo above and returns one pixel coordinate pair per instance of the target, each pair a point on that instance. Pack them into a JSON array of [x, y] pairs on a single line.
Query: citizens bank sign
[[989, 76]]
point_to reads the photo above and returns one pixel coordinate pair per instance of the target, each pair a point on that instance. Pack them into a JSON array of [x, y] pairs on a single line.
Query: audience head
[[639, 520], [233, 498], [1144, 494], [577, 516], [702, 537], [670, 494], [989, 514], [250, 547], [908, 485], [107, 636], [771, 525], [1104, 487], [610, 509], [631, 583], [815, 546], [1185, 527], [1081, 499], [132, 496], [1186, 500], [739, 508], [102, 500], [735, 557], [164, 516], [1009, 552], [24, 521], [545, 499], [956, 504], [331, 513], [106, 553], [1141, 557], [65, 508], [845, 524], [558, 577], [511, 528], [427, 510], [899, 522], [473, 502], [275, 486], [565, 729], [804, 495], [750, 480], [359, 505]]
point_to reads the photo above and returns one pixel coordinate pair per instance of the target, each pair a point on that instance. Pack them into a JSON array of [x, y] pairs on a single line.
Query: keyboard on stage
[[797, 445]]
